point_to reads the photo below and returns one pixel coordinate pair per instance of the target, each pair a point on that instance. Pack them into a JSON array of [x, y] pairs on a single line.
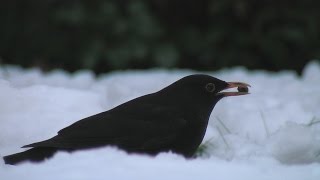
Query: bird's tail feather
[[37, 154]]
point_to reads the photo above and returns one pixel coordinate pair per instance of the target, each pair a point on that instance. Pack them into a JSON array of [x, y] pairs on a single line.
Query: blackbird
[[173, 119]]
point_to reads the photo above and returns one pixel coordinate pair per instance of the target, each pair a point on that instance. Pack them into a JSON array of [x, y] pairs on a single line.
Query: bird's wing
[[133, 130]]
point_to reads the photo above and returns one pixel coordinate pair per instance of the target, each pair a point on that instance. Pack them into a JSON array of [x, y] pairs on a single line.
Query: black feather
[[172, 119]]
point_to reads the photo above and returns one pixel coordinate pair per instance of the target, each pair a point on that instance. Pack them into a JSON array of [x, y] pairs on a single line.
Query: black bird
[[172, 119]]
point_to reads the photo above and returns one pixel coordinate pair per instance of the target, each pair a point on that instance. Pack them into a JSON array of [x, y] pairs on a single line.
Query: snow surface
[[273, 133]]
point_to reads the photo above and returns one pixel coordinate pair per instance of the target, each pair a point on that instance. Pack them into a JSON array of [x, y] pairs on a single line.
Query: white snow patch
[[273, 133]]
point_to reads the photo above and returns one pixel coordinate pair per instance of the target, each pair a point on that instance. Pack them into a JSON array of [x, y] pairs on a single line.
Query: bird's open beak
[[242, 89]]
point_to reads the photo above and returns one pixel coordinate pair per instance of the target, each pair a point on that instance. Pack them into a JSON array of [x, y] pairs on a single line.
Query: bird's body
[[172, 119]]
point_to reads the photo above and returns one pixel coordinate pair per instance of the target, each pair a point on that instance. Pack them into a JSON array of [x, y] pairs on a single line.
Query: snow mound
[[273, 133]]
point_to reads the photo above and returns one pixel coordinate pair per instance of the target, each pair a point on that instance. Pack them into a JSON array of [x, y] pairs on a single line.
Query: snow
[[273, 133]]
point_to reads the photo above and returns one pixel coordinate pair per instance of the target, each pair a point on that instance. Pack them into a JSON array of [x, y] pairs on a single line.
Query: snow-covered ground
[[273, 133]]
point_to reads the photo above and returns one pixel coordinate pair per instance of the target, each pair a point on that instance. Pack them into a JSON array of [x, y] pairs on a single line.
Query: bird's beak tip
[[241, 87]]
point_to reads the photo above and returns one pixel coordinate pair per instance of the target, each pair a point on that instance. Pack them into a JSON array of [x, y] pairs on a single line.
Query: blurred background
[[106, 35]]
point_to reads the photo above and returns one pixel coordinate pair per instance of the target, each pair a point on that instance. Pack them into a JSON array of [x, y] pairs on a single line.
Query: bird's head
[[204, 89]]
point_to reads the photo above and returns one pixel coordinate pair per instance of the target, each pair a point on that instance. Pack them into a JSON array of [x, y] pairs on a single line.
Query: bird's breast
[[193, 135]]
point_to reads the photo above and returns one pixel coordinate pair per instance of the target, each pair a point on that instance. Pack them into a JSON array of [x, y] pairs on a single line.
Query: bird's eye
[[210, 87]]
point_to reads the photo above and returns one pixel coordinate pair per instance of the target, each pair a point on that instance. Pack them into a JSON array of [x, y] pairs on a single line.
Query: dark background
[[105, 35]]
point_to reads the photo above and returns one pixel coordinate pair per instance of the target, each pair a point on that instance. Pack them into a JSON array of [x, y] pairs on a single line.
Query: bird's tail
[[36, 154]]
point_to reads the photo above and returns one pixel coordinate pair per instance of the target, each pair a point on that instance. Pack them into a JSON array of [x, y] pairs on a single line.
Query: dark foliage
[[118, 34]]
